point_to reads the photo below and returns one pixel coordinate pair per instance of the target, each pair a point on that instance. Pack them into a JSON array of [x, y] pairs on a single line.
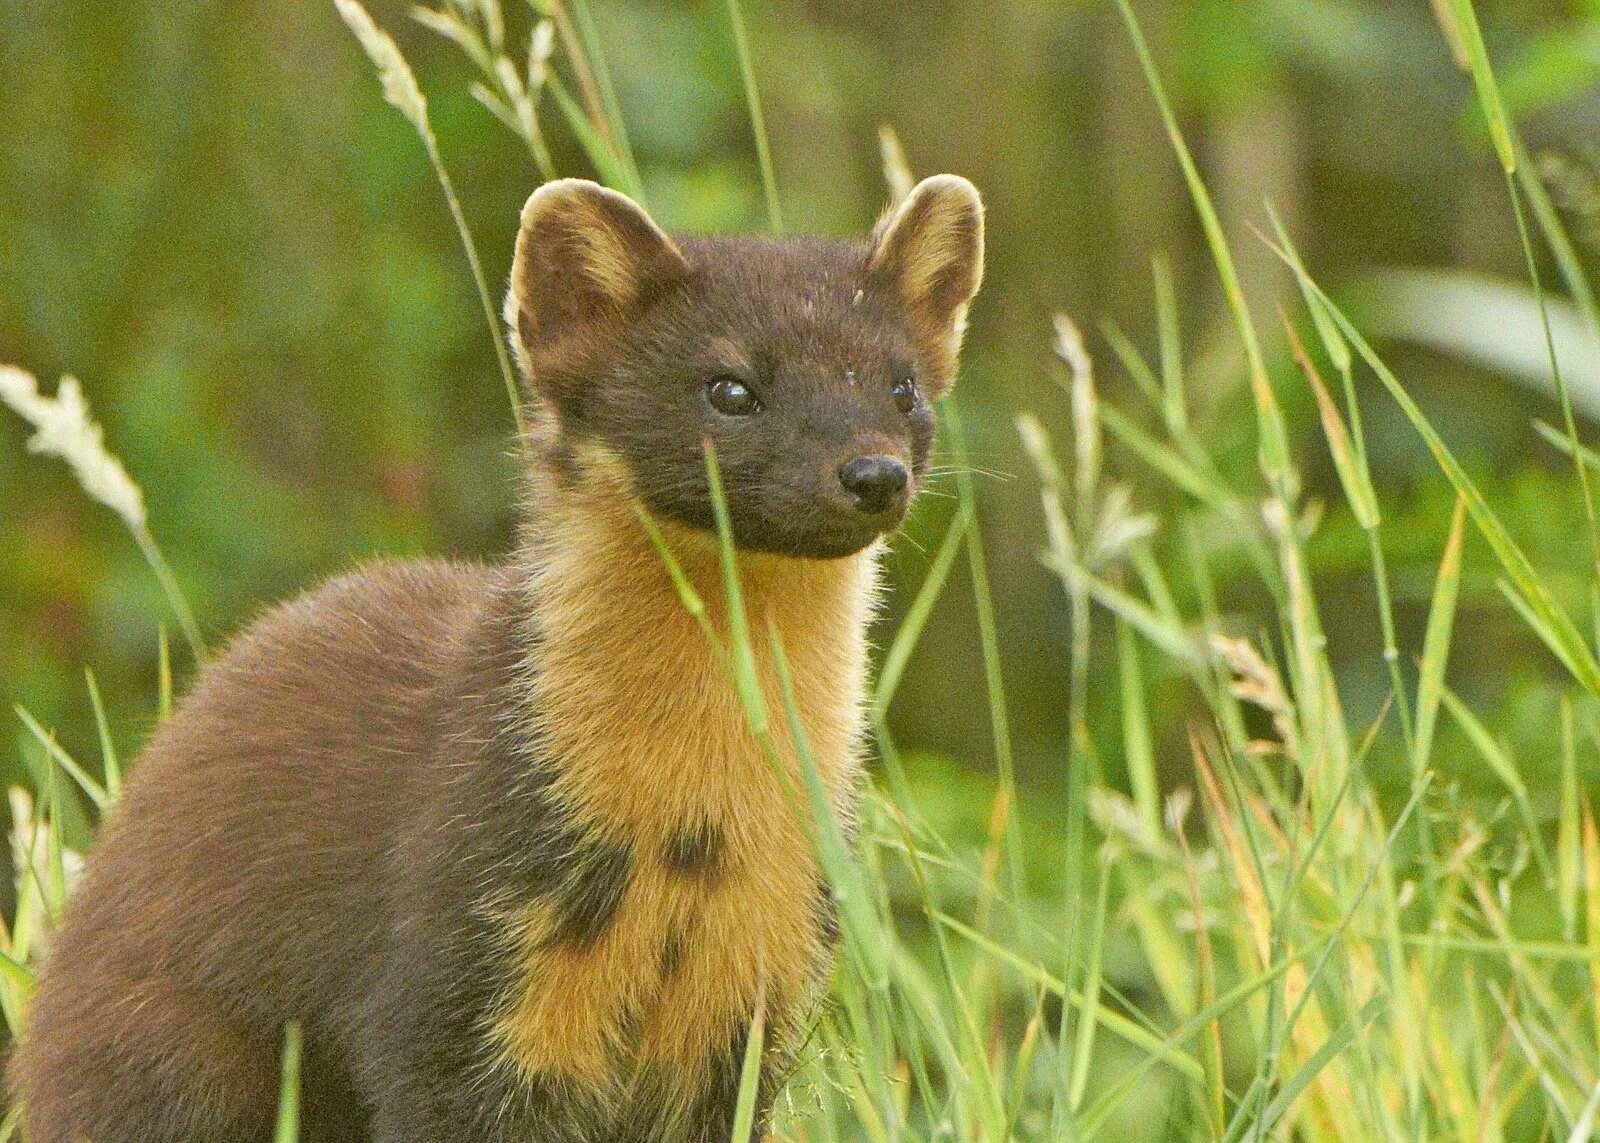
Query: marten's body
[[499, 838]]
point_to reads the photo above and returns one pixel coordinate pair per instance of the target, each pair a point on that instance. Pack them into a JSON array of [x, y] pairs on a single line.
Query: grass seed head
[[63, 429], [399, 84]]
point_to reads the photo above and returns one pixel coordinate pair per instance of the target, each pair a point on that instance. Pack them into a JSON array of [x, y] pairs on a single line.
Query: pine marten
[[499, 837]]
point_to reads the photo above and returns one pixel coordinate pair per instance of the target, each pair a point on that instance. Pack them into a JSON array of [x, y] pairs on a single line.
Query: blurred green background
[[208, 214]]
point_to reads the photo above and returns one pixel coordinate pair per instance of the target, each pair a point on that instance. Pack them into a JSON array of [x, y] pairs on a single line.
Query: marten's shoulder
[[380, 603], [383, 627], [334, 687]]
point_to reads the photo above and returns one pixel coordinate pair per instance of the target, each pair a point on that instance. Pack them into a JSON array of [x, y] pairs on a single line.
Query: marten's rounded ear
[[929, 249], [586, 256]]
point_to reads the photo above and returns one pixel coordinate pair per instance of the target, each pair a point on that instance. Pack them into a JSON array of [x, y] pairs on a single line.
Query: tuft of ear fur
[[586, 259], [929, 250]]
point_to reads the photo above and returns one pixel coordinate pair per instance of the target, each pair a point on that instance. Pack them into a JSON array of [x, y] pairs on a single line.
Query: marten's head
[[810, 365]]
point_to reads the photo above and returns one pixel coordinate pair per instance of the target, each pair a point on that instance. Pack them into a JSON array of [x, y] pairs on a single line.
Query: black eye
[[905, 393], [732, 397]]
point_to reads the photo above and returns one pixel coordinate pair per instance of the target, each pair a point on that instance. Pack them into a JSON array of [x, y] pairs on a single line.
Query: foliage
[[1311, 858]]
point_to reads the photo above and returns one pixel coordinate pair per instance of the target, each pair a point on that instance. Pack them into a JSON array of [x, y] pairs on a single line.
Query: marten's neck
[[647, 753], [635, 709]]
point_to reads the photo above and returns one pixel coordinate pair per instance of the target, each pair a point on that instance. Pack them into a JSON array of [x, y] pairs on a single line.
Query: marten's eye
[[905, 393], [732, 397]]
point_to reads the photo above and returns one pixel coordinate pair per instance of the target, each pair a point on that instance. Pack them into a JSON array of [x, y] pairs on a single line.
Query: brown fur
[[500, 838]]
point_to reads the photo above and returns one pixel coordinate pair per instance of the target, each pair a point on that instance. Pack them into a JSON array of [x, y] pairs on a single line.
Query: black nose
[[875, 482]]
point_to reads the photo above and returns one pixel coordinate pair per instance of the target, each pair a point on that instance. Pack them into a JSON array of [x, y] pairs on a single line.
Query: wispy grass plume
[[62, 428], [402, 92]]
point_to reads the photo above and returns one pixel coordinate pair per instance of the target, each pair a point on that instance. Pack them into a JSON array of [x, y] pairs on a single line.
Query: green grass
[[1331, 927]]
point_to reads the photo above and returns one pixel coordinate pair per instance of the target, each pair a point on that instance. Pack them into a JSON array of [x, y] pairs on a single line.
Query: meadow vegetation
[[1265, 888]]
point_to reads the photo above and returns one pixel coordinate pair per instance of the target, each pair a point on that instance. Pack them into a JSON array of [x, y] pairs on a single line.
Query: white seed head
[[1070, 348], [540, 46], [509, 78], [1275, 514], [1118, 527], [1069, 345], [399, 84], [896, 171], [63, 428], [451, 27], [494, 23], [1176, 811]]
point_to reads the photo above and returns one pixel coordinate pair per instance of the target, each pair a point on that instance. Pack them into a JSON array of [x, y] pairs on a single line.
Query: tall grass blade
[[1470, 37], [906, 635], [1174, 405], [1224, 1004], [1002, 838], [163, 673], [95, 791], [1505, 769], [746, 676], [1436, 642], [1206, 487], [606, 164], [589, 35], [1092, 976], [19, 975], [1303, 1078], [287, 1129], [1159, 1049], [1564, 396], [758, 120], [1556, 238], [744, 1115], [1590, 946], [1569, 852], [401, 91], [1549, 622], [1352, 473], [63, 428], [985, 1094], [108, 749], [1136, 747], [1272, 439]]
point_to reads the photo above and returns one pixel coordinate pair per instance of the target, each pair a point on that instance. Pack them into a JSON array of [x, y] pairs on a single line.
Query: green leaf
[[58, 754], [288, 1124], [1272, 440], [108, 748], [1436, 643], [744, 1115], [1494, 112], [1505, 769], [1549, 622], [916, 617], [1314, 1067]]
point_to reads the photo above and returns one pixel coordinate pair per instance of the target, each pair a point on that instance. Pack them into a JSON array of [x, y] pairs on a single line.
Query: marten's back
[[246, 871]]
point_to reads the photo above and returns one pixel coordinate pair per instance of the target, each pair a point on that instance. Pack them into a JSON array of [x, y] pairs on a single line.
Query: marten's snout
[[875, 483]]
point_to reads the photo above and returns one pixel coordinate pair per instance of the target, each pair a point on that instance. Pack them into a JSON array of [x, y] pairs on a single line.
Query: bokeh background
[[208, 214]]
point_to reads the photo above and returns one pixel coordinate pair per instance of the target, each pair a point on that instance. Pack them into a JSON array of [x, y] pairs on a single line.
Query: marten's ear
[[587, 257], [929, 250]]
